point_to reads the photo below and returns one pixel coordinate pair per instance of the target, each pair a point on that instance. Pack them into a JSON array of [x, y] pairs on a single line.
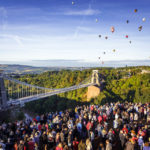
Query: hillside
[[23, 69], [122, 84]]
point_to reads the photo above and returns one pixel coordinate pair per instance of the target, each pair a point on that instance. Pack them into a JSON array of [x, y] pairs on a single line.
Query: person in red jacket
[[31, 144], [59, 147], [39, 127], [125, 129], [100, 119], [75, 144], [89, 125]]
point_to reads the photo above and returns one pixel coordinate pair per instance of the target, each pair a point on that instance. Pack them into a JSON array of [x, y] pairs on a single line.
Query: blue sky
[[56, 29]]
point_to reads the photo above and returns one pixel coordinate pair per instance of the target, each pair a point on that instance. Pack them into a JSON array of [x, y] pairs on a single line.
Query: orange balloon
[[135, 10], [112, 29]]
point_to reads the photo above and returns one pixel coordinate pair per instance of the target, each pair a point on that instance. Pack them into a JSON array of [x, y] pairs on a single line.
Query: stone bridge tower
[[94, 90], [95, 77], [3, 95]]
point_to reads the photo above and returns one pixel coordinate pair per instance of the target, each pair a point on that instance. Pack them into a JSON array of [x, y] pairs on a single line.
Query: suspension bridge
[[14, 92]]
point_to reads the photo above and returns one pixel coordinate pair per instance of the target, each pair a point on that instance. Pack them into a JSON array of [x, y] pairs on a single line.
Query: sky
[[56, 29]]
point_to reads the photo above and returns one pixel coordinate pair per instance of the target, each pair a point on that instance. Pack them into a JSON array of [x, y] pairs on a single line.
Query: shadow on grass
[[52, 104]]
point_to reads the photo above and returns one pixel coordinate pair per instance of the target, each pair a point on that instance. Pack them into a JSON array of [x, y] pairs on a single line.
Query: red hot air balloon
[[112, 29], [127, 36]]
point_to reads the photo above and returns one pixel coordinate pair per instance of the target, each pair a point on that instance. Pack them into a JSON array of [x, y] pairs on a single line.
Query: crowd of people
[[115, 126]]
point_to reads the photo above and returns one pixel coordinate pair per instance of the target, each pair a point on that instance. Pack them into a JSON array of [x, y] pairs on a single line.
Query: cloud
[[86, 29], [3, 16], [81, 28], [14, 37], [3, 12], [86, 12]]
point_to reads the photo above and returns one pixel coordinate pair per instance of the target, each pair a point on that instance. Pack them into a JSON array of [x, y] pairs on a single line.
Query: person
[[122, 139], [59, 146], [88, 144], [15, 146], [130, 145], [75, 144], [31, 144], [36, 146], [1, 147], [65, 147], [82, 145], [101, 147], [9, 145], [140, 142], [21, 145], [108, 145], [146, 146]]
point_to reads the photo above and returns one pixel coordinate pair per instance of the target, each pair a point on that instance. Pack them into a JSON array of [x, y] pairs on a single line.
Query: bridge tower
[[95, 78], [3, 95], [94, 90]]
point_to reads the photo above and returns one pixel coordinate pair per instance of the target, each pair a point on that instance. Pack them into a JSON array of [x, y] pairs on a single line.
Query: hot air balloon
[[99, 57], [135, 10], [104, 53], [112, 29], [130, 42], [73, 2], [127, 36], [96, 20], [140, 28], [100, 36], [127, 21], [144, 19], [114, 50], [106, 37]]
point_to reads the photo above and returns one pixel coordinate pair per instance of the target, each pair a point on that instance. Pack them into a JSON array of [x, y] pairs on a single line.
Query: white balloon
[[144, 19]]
